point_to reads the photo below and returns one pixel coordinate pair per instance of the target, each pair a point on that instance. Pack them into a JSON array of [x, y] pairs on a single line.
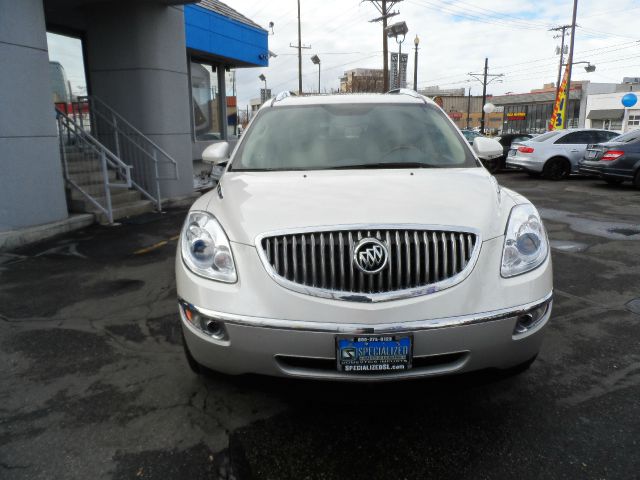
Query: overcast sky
[[455, 37]]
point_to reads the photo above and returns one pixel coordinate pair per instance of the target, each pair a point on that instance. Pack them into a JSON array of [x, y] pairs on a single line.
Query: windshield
[[545, 136], [321, 137]]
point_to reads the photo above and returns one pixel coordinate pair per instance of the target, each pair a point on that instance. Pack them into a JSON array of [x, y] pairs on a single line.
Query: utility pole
[[565, 120], [562, 28], [468, 108], [299, 47], [485, 81], [384, 7]]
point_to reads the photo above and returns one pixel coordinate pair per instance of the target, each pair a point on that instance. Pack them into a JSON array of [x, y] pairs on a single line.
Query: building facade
[[159, 64], [607, 111], [531, 112], [362, 80]]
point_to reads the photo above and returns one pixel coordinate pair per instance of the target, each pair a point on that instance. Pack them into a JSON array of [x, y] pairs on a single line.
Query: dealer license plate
[[591, 153], [512, 152], [374, 353]]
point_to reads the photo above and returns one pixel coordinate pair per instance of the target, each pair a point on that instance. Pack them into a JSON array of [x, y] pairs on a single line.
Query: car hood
[[251, 203]]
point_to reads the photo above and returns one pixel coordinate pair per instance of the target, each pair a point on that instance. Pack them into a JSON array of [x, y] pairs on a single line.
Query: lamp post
[[264, 79], [396, 30], [316, 61], [416, 42]]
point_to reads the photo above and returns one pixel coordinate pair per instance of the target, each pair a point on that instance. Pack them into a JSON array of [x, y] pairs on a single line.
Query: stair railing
[[151, 164], [75, 140]]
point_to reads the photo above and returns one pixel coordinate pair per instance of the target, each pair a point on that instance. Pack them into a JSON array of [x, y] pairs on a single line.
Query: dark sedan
[[615, 161]]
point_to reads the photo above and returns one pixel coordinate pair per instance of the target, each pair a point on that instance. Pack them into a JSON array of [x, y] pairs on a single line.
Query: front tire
[[557, 169]]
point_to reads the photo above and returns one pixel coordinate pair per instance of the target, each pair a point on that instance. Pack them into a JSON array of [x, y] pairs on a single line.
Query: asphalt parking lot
[[94, 383]]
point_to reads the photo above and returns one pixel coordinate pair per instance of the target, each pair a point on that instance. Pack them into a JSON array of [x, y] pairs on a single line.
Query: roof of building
[[537, 97], [227, 11]]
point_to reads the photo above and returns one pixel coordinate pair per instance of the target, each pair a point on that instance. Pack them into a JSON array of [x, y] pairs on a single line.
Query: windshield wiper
[[383, 165]]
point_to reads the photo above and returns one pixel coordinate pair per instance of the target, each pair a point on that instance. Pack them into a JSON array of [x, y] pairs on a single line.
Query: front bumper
[[307, 349], [466, 327]]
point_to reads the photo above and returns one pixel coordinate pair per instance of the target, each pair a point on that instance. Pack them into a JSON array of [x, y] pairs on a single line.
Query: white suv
[[358, 237]]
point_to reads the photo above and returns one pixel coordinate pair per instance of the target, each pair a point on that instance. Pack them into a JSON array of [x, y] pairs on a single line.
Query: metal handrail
[[93, 100], [76, 134]]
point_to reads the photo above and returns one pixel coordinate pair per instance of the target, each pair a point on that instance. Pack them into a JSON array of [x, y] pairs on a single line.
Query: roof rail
[[281, 96], [407, 91]]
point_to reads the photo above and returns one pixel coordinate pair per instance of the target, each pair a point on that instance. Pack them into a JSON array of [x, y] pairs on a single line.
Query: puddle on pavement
[[568, 246], [634, 306], [598, 228]]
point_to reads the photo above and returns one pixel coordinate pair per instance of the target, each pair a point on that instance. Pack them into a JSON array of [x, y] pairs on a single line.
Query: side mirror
[[216, 153], [487, 148]]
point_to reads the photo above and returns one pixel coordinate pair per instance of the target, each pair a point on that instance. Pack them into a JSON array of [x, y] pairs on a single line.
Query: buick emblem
[[370, 255]]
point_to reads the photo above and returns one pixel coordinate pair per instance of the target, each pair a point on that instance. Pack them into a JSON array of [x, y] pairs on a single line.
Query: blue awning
[[216, 31]]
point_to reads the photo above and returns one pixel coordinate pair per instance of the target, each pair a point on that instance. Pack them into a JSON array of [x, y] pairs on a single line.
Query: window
[[634, 120], [577, 138], [545, 136], [321, 137], [206, 100], [629, 137]]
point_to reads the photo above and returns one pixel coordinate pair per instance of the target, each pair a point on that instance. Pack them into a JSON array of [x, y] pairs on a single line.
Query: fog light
[[214, 328], [530, 319], [211, 326]]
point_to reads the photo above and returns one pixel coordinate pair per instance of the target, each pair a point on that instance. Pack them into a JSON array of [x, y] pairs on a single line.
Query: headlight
[[205, 248], [525, 244]]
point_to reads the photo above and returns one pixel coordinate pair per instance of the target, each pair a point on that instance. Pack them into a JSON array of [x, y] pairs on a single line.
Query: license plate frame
[[374, 353], [591, 154]]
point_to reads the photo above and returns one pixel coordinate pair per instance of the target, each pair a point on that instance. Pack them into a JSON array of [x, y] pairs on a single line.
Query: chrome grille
[[323, 260]]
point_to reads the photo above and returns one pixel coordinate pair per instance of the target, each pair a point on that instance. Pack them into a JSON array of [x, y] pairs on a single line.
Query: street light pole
[[416, 42], [395, 31], [299, 53], [316, 60]]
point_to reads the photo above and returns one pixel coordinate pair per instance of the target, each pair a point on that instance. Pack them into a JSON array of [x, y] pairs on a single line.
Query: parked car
[[491, 163], [556, 154], [614, 161], [507, 141], [358, 238]]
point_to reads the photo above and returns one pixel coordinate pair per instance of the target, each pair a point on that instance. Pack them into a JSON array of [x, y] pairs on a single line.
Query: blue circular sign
[[629, 100]]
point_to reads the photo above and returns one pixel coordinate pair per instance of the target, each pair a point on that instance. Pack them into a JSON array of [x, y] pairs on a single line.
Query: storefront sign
[[516, 116]]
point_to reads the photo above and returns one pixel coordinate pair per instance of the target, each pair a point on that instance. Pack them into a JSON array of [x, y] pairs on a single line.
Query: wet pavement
[[94, 383]]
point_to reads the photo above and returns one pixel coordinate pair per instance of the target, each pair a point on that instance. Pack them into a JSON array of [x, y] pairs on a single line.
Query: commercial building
[[607, 111], [531, 112], [362, 80], [156, 76]]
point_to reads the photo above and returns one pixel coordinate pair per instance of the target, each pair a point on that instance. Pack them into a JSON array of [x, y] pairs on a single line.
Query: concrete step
[[91, 178], [127, 210], [79, 203], [84, 166], [78, 155]]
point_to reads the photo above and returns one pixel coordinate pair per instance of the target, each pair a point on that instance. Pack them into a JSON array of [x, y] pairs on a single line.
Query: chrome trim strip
[[371, 297], [357, 328]]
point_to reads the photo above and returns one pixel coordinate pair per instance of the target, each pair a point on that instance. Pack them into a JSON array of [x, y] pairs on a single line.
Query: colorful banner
[[558, 118]]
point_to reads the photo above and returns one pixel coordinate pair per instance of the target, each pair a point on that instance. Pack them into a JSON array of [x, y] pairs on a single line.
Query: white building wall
[[612, 101]]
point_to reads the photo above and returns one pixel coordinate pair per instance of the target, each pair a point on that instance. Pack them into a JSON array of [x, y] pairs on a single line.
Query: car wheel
[[557, 169], [614, 181], [193, 365]]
